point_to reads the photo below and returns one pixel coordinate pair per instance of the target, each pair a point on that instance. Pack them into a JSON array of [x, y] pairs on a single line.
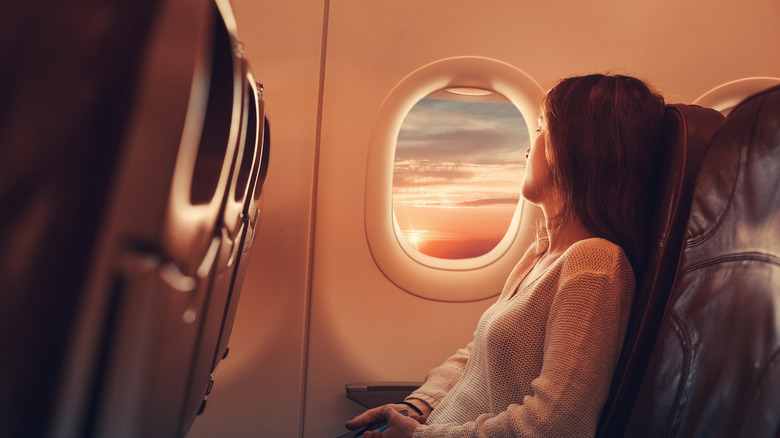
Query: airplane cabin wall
[[316, 312]]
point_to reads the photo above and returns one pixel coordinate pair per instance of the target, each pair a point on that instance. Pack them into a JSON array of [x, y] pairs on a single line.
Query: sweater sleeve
[[441, 379], [584, 334]]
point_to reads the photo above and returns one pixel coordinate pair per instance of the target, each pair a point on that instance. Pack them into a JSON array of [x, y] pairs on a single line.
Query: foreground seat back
[[66, 88], [116, 222], [687, 131], [715, 367], [250, 218], [235, 231]]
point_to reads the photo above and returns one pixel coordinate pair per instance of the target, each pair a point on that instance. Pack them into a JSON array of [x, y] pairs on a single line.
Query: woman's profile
[[543, 355]]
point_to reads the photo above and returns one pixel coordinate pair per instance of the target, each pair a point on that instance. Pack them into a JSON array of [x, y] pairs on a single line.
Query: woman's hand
[[414, 418], [399, 425]]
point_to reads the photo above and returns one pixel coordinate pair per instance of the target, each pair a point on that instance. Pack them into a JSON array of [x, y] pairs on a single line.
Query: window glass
[[459, 163]]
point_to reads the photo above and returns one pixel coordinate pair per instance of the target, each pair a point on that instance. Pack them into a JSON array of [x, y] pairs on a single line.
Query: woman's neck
[[561, 234]]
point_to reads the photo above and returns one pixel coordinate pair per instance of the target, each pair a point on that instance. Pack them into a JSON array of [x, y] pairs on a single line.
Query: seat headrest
[[686, 134], [751, 169], [685, 138]]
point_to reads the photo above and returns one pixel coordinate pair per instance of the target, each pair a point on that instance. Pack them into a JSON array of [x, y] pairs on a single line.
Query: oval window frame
[[460, 280], [726, 96]]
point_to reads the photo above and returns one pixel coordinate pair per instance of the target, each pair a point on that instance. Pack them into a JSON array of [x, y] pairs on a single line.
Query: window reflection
[[459, 163]]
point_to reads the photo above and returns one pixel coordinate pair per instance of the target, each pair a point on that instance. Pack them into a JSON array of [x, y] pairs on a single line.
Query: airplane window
[[725, 97], [443, 217], [459, 162]]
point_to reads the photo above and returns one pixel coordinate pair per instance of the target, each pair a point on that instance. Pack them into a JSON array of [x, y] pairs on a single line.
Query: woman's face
[[537, 184]]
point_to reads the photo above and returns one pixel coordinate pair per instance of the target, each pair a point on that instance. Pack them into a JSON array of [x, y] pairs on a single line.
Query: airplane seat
[[66, 89], [715, 367], [251, 216], [235, 229], [168, 206], [687, 131], [111, 247], [246, 212]]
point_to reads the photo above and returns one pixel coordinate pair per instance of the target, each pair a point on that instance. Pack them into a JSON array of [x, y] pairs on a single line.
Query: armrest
[[374, 394]]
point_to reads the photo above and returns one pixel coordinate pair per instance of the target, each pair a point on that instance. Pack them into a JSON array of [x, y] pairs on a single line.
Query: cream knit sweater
[[542, 360]]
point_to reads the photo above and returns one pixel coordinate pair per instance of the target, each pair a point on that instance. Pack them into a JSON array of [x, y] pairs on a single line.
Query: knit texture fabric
[[542, 358]]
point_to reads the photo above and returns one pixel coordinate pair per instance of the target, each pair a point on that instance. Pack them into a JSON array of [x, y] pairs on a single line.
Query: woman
[[543, 355]]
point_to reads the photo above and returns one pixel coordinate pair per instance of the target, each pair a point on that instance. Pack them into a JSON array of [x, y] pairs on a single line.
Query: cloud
[[414, 173], [454, 153], [490, 201], [463, 132]]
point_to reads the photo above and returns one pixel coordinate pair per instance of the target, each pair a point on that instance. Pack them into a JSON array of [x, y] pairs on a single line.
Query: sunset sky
[[458, 169]]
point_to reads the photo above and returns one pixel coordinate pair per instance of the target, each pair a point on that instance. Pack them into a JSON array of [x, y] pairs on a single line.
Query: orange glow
[[456, 232]]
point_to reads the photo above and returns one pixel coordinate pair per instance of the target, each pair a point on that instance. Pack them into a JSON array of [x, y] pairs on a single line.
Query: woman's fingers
[[400, 425], [363, 419]]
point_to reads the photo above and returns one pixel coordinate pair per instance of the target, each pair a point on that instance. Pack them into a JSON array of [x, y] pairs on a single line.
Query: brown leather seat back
[[715, 367], [129, 154], [687, 131]]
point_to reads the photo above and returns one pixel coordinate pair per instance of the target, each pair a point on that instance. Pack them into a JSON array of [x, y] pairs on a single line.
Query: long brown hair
[[603, 133]]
